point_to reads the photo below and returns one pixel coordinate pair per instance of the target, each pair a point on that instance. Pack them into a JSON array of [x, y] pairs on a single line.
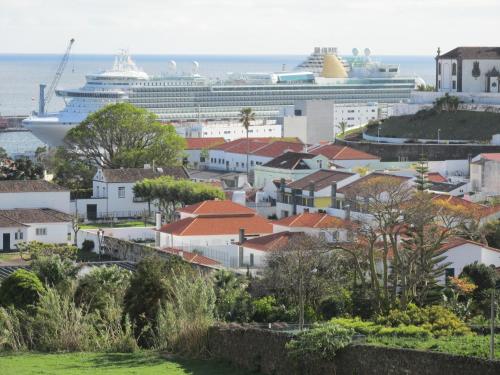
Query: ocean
[[20, 75]]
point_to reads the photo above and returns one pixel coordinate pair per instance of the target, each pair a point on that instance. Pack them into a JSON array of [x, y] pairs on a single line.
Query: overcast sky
[[412, 27]]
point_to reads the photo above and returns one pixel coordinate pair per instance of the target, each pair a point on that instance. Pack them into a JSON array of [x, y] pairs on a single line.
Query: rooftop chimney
[[241, 238], [334, 195]]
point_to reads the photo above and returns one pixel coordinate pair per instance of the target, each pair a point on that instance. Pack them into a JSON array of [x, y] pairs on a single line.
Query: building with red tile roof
[[214, 208], [344, 156], [232, 156], [192, 258], [330, 228], [213, 223], [436, 177]]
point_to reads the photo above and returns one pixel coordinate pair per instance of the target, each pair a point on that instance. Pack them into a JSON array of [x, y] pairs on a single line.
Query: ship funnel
[[332, 67]]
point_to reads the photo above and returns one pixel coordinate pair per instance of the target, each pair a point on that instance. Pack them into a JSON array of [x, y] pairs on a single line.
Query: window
[[439, 84], [121, 192], [439, 68], [449, 272], [454, 84], [454, 69], [18, 235], [41, 231]]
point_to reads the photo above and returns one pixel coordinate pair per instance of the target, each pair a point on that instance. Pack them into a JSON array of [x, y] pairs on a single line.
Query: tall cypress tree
[[422, 168]]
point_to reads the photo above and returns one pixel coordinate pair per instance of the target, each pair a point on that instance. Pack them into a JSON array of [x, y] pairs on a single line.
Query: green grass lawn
[[470, 345], [141, 363], [460, 125], [118, 224], [11, 257]]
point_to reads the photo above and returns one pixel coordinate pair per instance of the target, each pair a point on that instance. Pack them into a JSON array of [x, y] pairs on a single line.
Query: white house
[[34, 224], [485, 174], [196, 152], [232, 156], [344, 156], [461, 252], [113, 194], [33, 194], [329, 228], [212, 223]]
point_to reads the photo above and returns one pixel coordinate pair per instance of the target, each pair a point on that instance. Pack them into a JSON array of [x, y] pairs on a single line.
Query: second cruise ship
[[192, 98]]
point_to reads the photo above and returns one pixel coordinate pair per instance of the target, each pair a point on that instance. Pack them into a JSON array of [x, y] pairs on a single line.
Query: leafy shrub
[[53, 270], [233, 301], [183, 320], [360, 326], [404, 331], [321, 341], [35, 249], [436, 319], [267, 309], [88, 245], [336, 305], [102, 286], [21, 289], [14, 332]]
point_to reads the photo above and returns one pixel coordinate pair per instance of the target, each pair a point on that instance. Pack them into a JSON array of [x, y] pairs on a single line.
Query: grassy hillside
[[142, 363], [460, 125]]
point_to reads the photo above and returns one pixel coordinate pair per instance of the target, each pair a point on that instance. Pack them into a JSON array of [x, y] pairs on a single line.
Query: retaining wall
[[264, 351]]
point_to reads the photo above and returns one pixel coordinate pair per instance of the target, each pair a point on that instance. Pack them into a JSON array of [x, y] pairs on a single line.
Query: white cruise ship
[[192, 98]]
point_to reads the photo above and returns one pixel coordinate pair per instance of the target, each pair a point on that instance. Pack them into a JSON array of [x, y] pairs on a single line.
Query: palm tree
[[246, 117], [342, 126]]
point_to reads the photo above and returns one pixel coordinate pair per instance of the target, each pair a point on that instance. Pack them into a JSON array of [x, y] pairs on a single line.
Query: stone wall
[[264, 351], [413, 151]]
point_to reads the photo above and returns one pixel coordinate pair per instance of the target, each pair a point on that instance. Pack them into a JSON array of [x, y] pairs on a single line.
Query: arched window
[[439, 68], [454, 69]]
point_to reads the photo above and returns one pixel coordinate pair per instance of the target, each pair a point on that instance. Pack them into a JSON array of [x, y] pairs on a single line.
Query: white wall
[[56, 232], [58, 200], [169, 240], [12, 231]]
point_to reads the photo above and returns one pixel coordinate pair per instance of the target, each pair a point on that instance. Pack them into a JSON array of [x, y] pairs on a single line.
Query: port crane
[[45, 97]]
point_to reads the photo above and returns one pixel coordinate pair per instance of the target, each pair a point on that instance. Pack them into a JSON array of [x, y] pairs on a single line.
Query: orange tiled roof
[[218, 225], [436, 177], [312, 220], [271, 242], [337, 152], [192, 257], [217, 207], [270, 147], [457, 241], [201, 143]]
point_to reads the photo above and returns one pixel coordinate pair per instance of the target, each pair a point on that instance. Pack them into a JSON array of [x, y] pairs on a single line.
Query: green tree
[[70, 169], [246, 118], [21, 289], [102, 287], [170, 193], [421, 182], [492, 231], [55, 271], [342, 127], [122, 135], [233, 302], [21, 169], [148, 291], [485, 278]]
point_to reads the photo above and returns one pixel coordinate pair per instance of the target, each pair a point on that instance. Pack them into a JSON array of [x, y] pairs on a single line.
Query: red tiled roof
[[491, 156], [369, 177], [217, 207], [270, 147], [436, 177], [312, 220], [455, 242], [271, 242], [192, 257], [201, 143], [337, 152], [218, 225]]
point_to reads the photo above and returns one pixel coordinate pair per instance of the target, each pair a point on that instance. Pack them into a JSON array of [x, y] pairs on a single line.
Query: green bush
[[54, 270], [321, 341], [336, 305], [436, 319], [360, 326], [35, 249], [102, 286], [404, 331], [21, 289]]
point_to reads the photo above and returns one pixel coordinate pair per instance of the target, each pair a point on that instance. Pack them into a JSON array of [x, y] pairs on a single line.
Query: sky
[[388, 27]]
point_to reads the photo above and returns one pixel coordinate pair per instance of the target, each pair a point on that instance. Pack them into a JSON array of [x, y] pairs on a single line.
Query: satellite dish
[[196, 66], [355, 52], [172, 65], [368, 52]]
